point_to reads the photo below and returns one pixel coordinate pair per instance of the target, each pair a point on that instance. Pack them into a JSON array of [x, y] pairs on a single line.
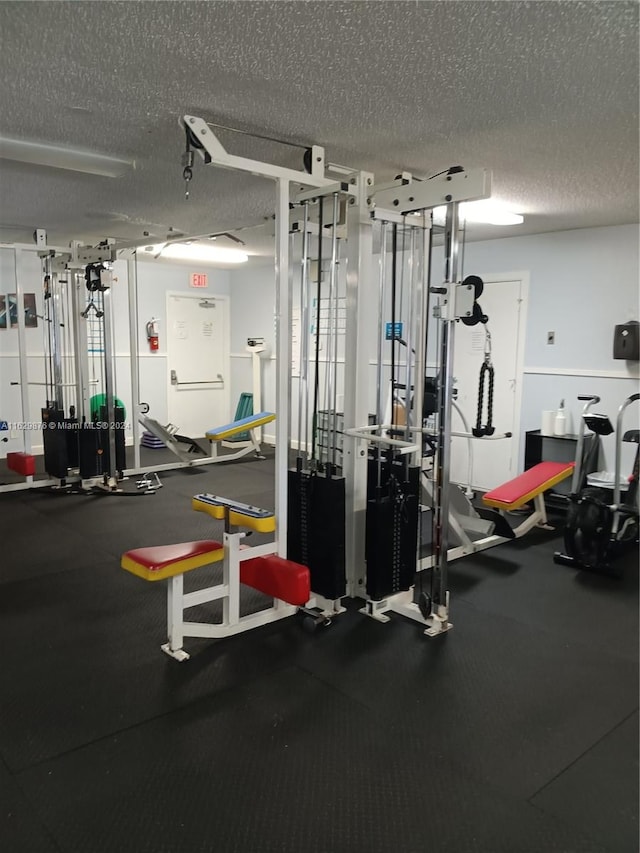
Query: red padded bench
[[530, 484], [166, 561], [278, 578], [271, 575], [21, 463]]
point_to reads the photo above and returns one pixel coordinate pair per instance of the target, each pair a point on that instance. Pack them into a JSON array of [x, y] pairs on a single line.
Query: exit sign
[[199, 279]]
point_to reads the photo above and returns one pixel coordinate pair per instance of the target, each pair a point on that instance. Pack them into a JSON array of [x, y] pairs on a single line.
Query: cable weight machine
[[83, 434], [393, 476], [316, 506], [302, 531], [452, 301]]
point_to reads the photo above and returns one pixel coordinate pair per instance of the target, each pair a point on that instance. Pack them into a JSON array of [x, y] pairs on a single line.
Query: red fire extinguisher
[[152, 334]]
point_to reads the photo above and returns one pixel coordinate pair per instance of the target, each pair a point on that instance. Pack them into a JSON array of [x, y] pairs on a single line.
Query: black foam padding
[[282, 765], [599, 792], [316, 529]]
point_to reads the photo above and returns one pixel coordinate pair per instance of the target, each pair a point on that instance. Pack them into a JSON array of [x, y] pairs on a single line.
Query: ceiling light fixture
[[484, 212], [59, 157], [199, 252]]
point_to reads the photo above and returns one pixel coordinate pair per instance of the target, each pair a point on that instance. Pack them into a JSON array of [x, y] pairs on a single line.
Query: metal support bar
[[283, 359], [22, 349], [220, 157], [438, 621], [358, 297], [109, 374], [440, 190], [134, 357]]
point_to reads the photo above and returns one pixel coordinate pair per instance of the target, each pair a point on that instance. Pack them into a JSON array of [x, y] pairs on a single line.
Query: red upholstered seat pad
[[278, 578], [160, 556], [21, 463], [528, 482]]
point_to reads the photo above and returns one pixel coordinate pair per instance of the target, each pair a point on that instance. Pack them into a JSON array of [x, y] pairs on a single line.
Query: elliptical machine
[[597, 528]]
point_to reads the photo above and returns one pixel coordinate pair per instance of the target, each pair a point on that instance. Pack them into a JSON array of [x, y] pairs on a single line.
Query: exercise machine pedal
[[502, 526], [312, 619]]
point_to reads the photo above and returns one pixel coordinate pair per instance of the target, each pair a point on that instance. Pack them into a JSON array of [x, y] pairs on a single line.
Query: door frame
[[224, 300]]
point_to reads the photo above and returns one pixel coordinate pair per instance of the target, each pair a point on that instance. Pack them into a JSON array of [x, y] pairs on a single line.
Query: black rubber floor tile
[[283, 765], [522, 581], [509, 703], [21, 830], [34, 544], [599, 792], [87, 660]]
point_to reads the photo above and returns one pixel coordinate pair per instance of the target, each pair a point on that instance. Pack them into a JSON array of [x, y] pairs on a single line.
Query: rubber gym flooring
[[517, 731]]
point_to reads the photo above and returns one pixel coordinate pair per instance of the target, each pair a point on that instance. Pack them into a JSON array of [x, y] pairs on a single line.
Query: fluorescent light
[[486, 212], [200, 252], [59, 157]]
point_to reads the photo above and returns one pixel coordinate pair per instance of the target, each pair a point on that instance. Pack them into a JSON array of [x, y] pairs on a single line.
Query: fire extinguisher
[[152, 334]]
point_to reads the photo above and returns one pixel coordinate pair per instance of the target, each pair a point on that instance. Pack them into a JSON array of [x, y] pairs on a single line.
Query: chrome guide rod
[[332, 336], [303, 389], [109, 377], [409, 355], [22, 348], [283, 362], [134, 349], [381, 308], [445, 397]]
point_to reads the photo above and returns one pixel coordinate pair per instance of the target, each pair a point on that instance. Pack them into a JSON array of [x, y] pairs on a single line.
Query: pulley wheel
[[475, 317], [477, 283]]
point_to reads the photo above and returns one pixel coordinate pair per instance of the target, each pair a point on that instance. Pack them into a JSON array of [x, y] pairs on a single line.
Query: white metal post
[[359, 278], [231, 579], [175, 629], [22, 351], [439, 620], [256, 385], [134, 355], [109, 375], [283, 360]]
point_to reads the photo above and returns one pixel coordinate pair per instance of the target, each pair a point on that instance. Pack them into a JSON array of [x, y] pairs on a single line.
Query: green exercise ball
[[99, 400]]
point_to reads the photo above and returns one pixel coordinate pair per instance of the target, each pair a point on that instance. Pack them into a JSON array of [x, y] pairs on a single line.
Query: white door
[[198, 362], [494, 462]]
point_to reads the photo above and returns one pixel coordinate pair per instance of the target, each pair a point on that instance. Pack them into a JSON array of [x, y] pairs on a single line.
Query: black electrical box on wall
[[626, 342]]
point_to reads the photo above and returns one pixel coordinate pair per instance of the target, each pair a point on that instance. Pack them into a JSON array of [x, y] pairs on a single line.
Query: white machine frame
[[366, 203], [228, 591]]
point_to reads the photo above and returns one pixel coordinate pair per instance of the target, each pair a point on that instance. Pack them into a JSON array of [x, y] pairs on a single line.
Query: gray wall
[[155, 280], [253, 315], [581, 284]]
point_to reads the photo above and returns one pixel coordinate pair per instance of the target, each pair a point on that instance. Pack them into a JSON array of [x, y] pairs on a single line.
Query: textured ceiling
[[543, 93]]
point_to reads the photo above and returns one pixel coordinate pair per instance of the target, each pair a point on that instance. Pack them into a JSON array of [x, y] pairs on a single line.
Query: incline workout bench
[[258, 567], [219, 435], [490, 524], [513, 495], [184, 447]]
